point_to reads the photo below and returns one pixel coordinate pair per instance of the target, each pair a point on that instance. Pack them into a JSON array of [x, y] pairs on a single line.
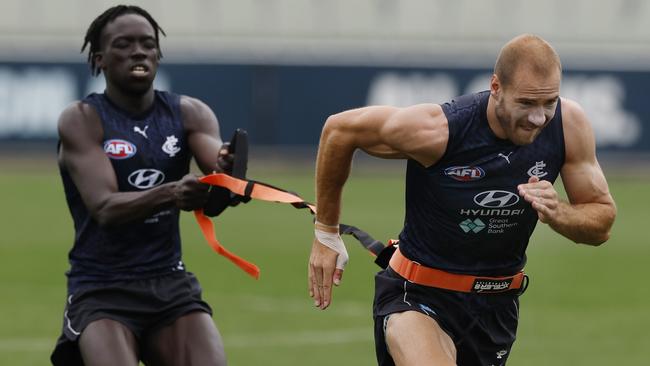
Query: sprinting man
[[480, 175], [124, 157]]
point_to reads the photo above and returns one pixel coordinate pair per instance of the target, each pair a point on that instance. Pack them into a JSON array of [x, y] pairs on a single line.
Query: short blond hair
[[526, 50]]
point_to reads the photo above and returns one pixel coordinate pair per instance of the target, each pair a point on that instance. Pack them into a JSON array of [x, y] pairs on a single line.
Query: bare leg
[[416, 339], [192, 340], [107, 342]]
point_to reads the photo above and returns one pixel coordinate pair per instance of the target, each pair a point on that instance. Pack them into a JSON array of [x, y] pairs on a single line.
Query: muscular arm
[[589, 215], [82, 154], [419, 132], [203, 135]]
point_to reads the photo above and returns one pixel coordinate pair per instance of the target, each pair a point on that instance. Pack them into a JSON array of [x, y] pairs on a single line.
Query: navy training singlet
[[145, 151], [464, 214]]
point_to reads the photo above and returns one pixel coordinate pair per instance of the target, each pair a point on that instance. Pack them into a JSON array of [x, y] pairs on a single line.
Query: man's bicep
[[361, 128], [419, 132], [582, 176], [84, 159], [203, 133]]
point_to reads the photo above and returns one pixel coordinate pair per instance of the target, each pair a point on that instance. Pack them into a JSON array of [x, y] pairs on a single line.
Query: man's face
[[526, 106], [129, 54]]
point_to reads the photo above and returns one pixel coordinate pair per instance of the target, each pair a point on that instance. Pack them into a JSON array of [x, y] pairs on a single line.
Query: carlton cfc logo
[[465, 173], [119, 149]]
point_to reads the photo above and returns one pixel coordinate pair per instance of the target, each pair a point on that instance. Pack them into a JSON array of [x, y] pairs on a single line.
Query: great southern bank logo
[[474, 226], [465, 173], [119, 149]]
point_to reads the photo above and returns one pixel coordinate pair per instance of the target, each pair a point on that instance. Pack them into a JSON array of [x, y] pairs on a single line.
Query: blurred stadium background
[[278, 68]]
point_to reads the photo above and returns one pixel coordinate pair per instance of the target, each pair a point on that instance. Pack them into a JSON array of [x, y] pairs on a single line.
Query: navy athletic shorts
[[482, 326], [144, 306]]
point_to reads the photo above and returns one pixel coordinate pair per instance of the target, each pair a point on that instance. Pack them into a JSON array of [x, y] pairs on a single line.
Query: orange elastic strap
[[257, 190], [426, 276], [208, 233], [247, 188]]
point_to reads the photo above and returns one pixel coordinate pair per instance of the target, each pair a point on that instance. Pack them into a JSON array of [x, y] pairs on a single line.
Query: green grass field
[[585, 306]]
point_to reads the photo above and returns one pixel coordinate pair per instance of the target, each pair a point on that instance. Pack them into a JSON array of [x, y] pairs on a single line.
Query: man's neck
[[131, 103]]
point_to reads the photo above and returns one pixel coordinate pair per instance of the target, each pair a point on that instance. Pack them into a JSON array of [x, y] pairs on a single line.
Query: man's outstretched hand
[[326, 264]]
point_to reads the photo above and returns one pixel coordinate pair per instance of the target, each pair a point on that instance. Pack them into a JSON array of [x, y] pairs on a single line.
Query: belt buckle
[[411, 270]]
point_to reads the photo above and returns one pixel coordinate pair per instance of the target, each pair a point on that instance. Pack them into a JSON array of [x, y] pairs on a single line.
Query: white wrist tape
[[334, 242]]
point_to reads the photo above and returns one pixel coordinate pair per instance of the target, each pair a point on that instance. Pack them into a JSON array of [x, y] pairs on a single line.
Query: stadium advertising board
[[286, 105]]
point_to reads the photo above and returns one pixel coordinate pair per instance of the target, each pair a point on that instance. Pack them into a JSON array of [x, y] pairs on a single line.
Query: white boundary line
[[267, 304], [252, 340], [26, 344], [299, 338]]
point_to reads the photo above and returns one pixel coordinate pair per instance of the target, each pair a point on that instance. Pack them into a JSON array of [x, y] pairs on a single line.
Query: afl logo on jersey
[[119, 149], [465, 173]]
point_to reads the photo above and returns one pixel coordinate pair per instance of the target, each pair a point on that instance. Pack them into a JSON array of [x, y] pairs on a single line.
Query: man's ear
[[98, 57], [495, 86]]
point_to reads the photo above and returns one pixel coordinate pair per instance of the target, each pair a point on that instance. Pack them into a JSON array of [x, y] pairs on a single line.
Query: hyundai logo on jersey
[[465, 173], [146, 178], [119, 149], [495, 199]]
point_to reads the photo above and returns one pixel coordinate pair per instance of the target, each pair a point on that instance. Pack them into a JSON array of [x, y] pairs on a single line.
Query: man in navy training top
[[124, 157], [479, 176]]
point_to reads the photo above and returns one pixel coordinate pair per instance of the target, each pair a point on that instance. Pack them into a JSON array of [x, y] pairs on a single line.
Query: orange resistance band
[[246, 188], [207, 228]]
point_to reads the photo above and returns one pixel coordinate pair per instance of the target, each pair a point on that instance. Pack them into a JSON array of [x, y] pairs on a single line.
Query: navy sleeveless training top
[[464, 214], [145, 151]]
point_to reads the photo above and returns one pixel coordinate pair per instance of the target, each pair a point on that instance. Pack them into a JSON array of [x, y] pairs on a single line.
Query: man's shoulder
[[76, 111], [574, 118], [196, 114], [467, 105], [571, 108], [190, 104], [579, 136], [76, 118]]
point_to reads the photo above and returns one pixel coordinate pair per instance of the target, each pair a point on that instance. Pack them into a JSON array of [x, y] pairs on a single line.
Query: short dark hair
[[94, 32]]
